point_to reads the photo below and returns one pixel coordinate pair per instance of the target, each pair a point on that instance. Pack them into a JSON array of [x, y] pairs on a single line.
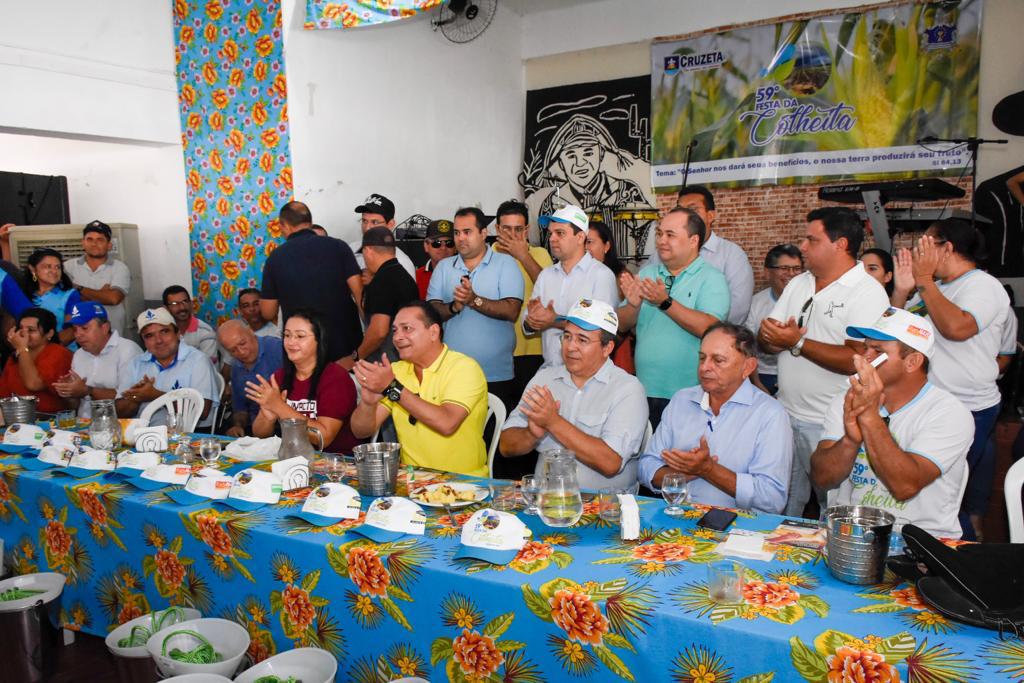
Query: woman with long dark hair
[[601, 245], [879, 265], [308, 385], [48, 286], [968, 308]]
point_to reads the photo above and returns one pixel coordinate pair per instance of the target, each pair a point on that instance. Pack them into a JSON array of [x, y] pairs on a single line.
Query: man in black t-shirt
[[390, 289], [317, 273]]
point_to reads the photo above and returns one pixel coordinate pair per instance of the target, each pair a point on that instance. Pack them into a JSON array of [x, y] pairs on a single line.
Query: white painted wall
[[400, 110], [118, 183]]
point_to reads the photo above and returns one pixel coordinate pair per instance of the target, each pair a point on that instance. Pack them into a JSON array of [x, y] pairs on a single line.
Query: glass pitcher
[[295, 433], [104, 429], [559, 502]]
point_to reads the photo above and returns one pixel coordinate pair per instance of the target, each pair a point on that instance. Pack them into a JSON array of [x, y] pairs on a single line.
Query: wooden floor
[[88, 659]]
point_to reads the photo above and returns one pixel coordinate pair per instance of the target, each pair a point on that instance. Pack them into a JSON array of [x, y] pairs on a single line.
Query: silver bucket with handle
[[857, 542], [377, 466]]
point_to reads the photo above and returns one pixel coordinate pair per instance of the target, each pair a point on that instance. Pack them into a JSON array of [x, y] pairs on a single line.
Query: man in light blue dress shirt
[[479, 293], [732, 439], [586, 404]]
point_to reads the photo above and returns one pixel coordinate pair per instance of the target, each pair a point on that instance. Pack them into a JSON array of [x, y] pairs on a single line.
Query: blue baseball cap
[[85, 311]]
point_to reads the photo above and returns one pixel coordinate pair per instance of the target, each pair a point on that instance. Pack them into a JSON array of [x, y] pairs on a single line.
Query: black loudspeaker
[[27, 199]]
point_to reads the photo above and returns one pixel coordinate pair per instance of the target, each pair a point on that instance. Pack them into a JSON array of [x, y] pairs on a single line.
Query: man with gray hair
[[732, 440], [252, 356]]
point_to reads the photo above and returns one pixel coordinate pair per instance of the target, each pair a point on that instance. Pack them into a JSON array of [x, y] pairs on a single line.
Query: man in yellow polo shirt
[[513, 223], [437, 397]]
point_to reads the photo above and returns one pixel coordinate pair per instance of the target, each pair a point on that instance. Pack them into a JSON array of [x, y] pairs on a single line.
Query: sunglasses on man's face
[[437, 244]]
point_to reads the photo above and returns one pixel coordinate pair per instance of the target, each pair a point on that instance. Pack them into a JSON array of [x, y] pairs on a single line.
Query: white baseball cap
[[130, 460], [62, 437], [206, 484], [22, 434], [897, 324], [493, 536], [328, 503], [87, 463], [150, 316], [573, 215], [49, 456], [593, 314], [252, 489], [159, 476], [388, 519]]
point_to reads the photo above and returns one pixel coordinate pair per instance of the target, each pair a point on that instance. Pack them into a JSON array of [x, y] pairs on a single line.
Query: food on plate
[[444, 494]]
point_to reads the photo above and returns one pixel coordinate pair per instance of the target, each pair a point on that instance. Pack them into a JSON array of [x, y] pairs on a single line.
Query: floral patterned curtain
[[234, 116], [322, 14]]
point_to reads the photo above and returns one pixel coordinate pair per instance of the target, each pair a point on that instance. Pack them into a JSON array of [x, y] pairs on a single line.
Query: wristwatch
[[393, 392], [665, 305], [478, 302], [451, 308], [798, 348]]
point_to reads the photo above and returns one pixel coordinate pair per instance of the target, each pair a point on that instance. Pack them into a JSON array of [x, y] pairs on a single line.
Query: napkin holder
[[629, 517], [293, 473], [151, 439]]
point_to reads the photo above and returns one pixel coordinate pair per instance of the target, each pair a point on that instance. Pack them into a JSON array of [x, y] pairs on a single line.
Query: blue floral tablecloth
[[576, 603]]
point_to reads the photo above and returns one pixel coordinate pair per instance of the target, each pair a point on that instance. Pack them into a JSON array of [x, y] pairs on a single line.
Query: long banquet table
[[576, 603]]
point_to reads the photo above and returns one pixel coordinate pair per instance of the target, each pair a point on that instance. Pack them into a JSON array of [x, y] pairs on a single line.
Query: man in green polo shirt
[[672, 304]]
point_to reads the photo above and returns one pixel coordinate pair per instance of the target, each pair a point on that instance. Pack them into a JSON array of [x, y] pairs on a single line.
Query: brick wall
[[758, 218]]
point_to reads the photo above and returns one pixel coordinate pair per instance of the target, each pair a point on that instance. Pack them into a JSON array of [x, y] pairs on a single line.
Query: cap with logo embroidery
[[84, 311], [493, 536], [593, 314], [573, 215], [378, 203], [252, 489], [897, 324], [440, 228], [388, 519], [328, 504], [154, 316]]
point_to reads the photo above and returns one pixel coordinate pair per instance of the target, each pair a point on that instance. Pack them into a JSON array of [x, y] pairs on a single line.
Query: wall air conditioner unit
[[67, 239]]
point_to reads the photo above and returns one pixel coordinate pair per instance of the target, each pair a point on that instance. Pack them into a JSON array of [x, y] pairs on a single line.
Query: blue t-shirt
[[12, 299], [269, 359], [59, 302], [488, 341]]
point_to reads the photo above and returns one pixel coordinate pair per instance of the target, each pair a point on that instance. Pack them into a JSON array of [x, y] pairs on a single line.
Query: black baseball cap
[[378, 203], [379, 237], [97, 226], [441, 228]]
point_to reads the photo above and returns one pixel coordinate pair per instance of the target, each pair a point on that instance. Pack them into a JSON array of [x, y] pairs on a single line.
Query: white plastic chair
[[496, 408], [1014, 509], [648, 433], [217, 410], [186, 403]]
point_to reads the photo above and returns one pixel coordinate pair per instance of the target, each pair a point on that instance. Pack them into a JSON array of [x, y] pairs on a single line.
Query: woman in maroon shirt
[[307, 386]]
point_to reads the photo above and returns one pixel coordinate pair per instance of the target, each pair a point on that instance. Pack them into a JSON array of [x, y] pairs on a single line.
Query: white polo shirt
[[113, 272], [1008, 342], [588, 279], [760, 306], [855, 299], [103, 371], [968, 369], [934, 425]]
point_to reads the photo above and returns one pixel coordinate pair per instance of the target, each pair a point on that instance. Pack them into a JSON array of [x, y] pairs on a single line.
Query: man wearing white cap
[[893, 440], [585, 404], [577, 275], [168, 364]]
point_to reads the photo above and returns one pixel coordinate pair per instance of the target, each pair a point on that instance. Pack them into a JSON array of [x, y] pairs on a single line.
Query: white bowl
[[308, 664], [227, 638], [50, 583], [197, 678], [125, 629]]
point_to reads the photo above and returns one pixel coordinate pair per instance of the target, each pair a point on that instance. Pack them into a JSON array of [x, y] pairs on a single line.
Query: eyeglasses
[[669, 281], [805, 310], [795, 270], [437, 244], [178, 304]]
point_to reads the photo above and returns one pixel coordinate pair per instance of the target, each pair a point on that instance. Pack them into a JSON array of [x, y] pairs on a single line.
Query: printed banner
[[358, 13], [234, 121], [837, 97]]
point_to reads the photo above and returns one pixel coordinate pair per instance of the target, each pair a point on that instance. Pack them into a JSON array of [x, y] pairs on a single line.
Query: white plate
[[479, 493]]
